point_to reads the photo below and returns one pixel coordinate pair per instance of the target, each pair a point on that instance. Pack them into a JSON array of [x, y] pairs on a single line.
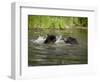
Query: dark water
[[58, 54]]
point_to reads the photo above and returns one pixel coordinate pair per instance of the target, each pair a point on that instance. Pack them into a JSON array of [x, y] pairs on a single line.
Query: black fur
[[71, 40], [50, 39]]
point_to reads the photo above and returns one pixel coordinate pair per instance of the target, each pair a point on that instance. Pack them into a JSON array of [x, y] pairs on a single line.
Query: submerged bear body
[[50, 39], [54, 39], [71, 40]]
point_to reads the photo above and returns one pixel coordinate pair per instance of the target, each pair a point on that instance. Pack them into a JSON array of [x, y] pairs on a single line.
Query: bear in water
[[71, 40], [50, 39]]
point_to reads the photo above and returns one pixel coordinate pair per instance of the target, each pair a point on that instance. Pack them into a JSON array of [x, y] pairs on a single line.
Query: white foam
[[39, 40]]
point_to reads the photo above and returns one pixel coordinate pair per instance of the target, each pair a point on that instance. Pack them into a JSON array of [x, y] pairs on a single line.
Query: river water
[[40, 54]]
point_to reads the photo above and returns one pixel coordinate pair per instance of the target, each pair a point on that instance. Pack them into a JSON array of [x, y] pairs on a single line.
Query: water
[[60, 53]]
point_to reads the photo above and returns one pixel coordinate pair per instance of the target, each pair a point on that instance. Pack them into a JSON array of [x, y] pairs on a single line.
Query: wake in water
[[42, 39], [54, 39]]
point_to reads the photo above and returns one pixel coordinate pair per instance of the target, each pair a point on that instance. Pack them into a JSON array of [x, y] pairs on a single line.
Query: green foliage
[[55, 22], [81, 21]]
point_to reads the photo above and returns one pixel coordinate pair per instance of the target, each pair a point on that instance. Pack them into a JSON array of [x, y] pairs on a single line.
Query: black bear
[[71, 40], [50, 39]]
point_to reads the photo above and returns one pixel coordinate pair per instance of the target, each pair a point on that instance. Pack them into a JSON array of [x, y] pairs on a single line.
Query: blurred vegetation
[[56, 22]]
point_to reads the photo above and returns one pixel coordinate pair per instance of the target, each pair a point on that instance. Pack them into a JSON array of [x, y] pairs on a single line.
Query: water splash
[[59, 39], [39, 40]]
